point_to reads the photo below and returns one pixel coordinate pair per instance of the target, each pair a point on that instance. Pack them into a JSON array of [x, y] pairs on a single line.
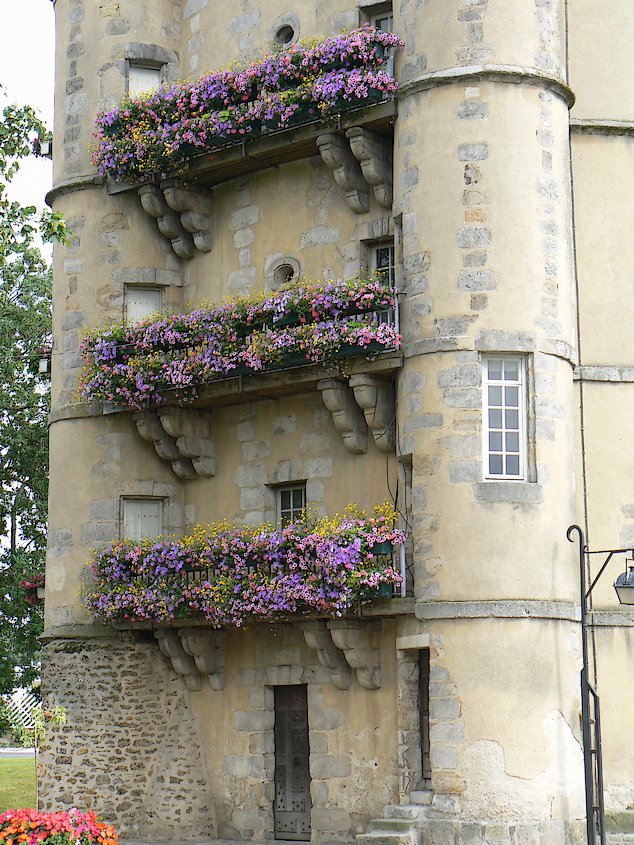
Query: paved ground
[[15, 753]]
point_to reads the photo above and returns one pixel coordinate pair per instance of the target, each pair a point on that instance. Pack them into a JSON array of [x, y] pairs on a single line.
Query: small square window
[[504, 435], [141, 518], [141, 302], [291, 504], [143, 78]]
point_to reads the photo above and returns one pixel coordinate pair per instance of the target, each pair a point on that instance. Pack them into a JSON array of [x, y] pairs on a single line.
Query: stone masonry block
[[447, 732], [254, 720], [471, 280], [331, 819], [444, 708], [325, 718], [473, 152], [470, 237], [323, 766]]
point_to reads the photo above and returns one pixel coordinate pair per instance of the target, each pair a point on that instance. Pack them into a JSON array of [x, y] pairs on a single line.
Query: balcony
[[331, 99], [341, 338], [323, 574]]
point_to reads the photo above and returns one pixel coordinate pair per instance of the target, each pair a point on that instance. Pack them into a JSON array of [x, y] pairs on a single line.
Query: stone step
[[412, 812], [421, 796], [386, 837], [396, 824]]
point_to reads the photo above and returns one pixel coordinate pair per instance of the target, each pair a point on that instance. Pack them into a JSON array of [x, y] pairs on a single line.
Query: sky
[[27, 54]]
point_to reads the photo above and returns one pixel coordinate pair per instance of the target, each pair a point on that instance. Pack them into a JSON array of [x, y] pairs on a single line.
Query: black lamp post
[[590, 711]]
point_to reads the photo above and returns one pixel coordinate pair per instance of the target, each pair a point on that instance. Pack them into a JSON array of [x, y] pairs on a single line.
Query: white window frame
[[285, 516], [503, 430], [128, 502], [130, 290]]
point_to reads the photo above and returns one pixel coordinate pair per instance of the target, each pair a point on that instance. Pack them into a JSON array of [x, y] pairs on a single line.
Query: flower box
[[231, 574], [161, 131], [384, 548], [308, 324]]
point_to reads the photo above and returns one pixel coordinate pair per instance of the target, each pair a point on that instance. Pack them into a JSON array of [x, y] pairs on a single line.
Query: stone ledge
[[375, 609], [79, 183], [512, 492], [611, 618], [588, 126], [78, 632], [499, 609], [514, 74]]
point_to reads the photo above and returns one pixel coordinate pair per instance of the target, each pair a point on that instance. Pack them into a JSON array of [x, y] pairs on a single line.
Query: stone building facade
[[452, 713]]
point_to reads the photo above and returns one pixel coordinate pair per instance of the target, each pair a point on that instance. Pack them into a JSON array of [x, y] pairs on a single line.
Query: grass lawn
[[17, 783]]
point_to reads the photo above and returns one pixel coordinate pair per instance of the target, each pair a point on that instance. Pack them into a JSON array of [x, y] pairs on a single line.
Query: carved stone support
[[183, 664], [376, 398], [182, 436], [346, 414], [208, 650], [319, 639], [192, 432], [374, 153], [149, 427], [169, 221], [193, 203], [336, 155], [356, 640]]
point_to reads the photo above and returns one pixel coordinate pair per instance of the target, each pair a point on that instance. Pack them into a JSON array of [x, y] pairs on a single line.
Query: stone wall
[[130, 748]]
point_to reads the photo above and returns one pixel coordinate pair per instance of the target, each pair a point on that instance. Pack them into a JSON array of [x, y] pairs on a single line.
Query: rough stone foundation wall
[[130, 748]]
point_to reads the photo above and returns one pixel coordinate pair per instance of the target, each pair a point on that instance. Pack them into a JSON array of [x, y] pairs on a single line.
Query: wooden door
[[292, 774]]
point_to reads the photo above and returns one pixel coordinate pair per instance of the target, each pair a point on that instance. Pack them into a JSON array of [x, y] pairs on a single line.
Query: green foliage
[[25, 327], [17, 783]]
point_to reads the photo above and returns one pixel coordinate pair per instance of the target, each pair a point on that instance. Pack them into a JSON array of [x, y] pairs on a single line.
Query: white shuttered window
[[142, 518], [143, 79], [140, 303]]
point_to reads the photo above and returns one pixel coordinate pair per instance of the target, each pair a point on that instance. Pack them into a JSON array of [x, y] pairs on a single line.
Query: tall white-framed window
[[141, 302], [143, 78], [504, 422], [141, 518], [291, 503]]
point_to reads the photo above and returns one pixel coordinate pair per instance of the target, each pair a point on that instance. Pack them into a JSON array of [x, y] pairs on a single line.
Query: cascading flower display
[[230, 574], [65, 828], [142, 365], [158, 133]]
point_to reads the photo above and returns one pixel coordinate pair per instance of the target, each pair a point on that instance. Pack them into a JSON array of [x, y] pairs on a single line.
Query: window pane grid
[[504, 418], [292, 504]]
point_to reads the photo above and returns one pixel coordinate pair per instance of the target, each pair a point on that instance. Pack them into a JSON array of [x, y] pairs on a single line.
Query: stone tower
[[456, 706]]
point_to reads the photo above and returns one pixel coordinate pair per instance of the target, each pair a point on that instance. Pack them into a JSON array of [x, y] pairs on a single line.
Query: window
[[504, 443], [383, 21], [383, 260], [143, 78], [291, 504], [141, 518], [140, 303]]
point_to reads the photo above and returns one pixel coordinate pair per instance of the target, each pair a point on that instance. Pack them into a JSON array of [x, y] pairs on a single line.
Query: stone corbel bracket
[[336, 155], [193, 203], [374, 154], [169, 221], [348, 418], [356, 641], [183, 664], [376, 398], [208, 650], [193, 434], [319, 639], [182, 436]]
